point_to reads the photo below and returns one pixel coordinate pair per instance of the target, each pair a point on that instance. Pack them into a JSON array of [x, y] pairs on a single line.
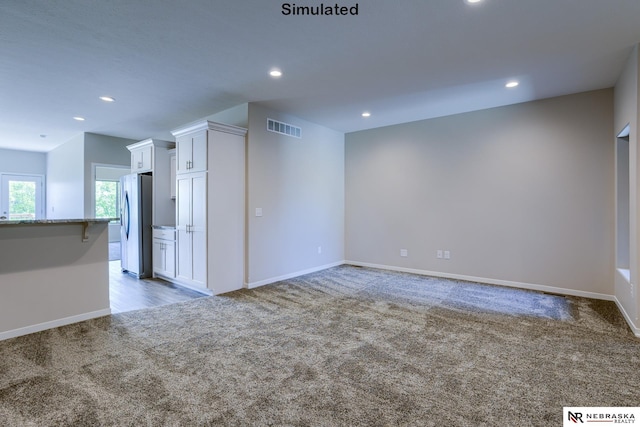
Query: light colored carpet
[[342, 347]]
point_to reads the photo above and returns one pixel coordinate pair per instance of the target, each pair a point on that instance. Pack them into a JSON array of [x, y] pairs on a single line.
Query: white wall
[[23, 162], [626, 112], [65, 180], [299, 184], [521, 194], [235, 116]]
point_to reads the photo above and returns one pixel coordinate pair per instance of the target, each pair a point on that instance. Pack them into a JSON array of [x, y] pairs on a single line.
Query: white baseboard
[[509, 283], [53, 324], [634, 328], [259, 283], [177, 282]]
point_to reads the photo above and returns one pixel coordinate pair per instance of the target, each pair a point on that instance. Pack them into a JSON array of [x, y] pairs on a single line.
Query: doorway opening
[[21, 197], [106, 201]]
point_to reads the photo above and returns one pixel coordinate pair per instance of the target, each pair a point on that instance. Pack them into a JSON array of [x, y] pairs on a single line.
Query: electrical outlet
[[404, 252], [258, 211], [447, 255], [439, 254], [319, 249]]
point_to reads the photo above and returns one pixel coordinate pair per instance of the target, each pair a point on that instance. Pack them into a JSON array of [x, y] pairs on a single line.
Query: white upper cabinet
[[144, 153], [191, 152], [151, 156], [142, 159]]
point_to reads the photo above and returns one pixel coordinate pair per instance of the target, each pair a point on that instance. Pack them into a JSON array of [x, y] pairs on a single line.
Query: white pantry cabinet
[[210, 206]]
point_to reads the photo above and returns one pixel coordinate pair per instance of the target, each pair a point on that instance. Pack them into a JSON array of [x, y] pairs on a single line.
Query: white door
[[184, 268], [199, 228], [125, 220], [199, 152], [21, 197], [184, 152]]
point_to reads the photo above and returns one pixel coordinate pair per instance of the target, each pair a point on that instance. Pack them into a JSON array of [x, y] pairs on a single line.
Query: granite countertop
[[57, 221], [164, 227]]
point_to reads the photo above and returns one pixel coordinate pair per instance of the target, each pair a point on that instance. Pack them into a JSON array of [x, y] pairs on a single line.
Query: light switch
[[447, 255], [258, 211]]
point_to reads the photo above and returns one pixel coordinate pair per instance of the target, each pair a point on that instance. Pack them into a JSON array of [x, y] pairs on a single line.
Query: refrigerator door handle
[[127, 215]]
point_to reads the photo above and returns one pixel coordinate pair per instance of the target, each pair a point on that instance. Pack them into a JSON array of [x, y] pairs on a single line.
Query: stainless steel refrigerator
[[135, 225]]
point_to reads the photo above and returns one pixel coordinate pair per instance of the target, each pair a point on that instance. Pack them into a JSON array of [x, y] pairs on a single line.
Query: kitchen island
[[52, 273]]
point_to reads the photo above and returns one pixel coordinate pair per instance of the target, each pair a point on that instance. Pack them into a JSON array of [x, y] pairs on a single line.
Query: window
[[106, 190], [107, 199]]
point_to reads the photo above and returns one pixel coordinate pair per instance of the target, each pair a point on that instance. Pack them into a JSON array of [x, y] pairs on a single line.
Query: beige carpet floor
[[346, 346]]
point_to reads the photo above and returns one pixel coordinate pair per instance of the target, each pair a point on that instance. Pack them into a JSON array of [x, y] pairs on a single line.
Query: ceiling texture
[[169, 62]]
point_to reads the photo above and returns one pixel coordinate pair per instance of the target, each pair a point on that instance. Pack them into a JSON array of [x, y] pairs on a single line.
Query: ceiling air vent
[[284, 128]]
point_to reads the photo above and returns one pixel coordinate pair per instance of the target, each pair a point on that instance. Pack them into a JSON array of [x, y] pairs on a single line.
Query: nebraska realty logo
[[600, 415]]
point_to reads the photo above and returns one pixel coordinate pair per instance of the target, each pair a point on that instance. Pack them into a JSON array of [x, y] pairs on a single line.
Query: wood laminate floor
[[128, 293]]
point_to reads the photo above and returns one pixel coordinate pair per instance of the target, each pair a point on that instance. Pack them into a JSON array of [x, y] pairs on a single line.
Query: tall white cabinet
[[210, 206]]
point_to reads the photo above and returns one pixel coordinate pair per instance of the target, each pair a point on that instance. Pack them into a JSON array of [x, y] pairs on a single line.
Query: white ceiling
[[170, 62]]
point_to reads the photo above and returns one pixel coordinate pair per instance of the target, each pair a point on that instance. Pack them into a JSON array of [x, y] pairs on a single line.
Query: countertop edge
[[57, 221]]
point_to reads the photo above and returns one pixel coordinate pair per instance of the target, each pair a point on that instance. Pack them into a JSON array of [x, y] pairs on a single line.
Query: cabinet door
[[184, 153], [170, 259], [158, 256], [184, 270], [198, 229], [172, 169], [191, 228], [191, 153], [142, 159], [199, 152]]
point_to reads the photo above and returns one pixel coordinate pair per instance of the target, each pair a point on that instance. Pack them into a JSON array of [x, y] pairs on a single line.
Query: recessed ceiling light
[[473, 1], [512, 84], [78, 118], [275, 73], [366, 114], [107, 98]]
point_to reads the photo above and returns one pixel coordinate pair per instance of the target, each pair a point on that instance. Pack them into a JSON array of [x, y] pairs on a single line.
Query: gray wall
[[23, 162], [102, 149], [69, 174], [521, 194], [626, 111], [65, 180], [299, 184]]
